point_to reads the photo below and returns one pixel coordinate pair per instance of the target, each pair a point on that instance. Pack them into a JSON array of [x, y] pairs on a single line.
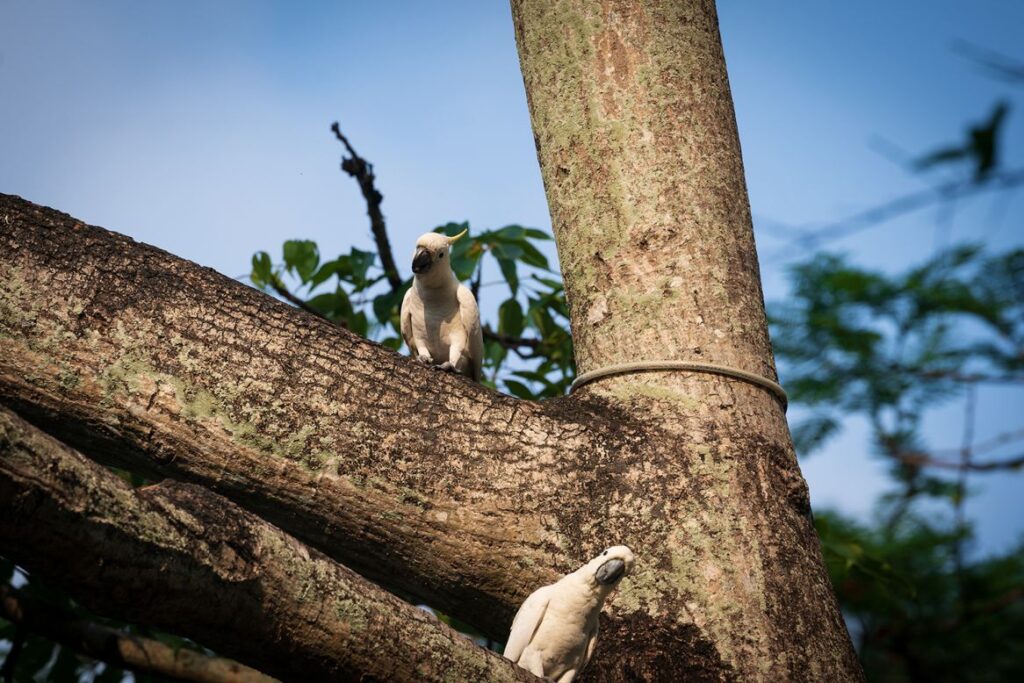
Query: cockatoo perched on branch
[[554, 633], [440, 320]]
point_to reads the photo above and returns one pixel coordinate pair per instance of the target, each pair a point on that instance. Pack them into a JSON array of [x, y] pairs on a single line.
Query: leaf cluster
[[856, 340], [528, 349]]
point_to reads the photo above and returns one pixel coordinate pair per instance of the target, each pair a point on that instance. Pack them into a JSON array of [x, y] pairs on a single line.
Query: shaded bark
[[121, 650], [188, 561]]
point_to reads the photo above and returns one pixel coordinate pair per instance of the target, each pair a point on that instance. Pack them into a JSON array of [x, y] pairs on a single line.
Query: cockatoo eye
[[605, 552], [440, 254]]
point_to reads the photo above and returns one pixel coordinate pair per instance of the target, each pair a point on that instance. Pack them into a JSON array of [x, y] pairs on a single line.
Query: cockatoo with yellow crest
[[440, 320], [554, 633]]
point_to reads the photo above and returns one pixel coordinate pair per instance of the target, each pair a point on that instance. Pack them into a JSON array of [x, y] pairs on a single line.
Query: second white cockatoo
[[554, 633], [440, 320]]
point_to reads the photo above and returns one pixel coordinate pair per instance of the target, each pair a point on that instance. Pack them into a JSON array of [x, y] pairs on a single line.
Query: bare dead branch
[[925, 460], [909, 203], [362, 170], [972, 377]]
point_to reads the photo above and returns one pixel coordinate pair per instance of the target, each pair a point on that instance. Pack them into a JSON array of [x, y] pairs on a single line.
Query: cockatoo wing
[[405, 315], [470, 317], [591, 646], [526, 622]]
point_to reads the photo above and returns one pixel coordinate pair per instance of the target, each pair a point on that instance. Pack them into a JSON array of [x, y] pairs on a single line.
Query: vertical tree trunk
[[638, 147]]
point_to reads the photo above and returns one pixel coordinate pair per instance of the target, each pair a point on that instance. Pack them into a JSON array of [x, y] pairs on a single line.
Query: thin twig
[[813, 239], [283, 292], [924, 460], [986, 445], [998, 64], [959, 511], [119, 649], [516, 344], [362, 170], [971, 377]]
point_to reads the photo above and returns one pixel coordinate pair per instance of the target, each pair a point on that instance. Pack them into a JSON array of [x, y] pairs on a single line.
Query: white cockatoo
[[440, 320], [554, 633]]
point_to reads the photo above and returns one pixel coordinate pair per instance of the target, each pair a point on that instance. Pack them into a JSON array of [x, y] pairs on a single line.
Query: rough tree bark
[[184, 559], [637, 141], [446, 491]]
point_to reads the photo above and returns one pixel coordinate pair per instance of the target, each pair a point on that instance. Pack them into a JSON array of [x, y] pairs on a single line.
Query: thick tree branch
[[183, 559], [429, 484], [121, 650], [362, 170], [636, 137]]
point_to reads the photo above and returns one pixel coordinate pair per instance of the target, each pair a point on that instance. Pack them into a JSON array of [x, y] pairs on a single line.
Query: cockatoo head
[[610, 566], [431, 250]]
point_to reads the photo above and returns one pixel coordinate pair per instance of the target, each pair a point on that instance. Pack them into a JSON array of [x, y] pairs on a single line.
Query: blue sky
[[203, 128]]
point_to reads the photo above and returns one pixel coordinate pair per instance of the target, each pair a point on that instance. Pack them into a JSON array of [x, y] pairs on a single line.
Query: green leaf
[[334, 305], [494, 352], [519, 389], [359, 323], [532, 256], [534, 233], [361, 262], [385, 306], [507, 250], [301, 257], [325, 271], [465, 258], [508, 270], [510, 318], [261, 269]]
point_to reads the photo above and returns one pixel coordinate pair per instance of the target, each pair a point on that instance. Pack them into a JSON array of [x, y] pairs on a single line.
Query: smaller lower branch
[[186, 560], [118, 649]]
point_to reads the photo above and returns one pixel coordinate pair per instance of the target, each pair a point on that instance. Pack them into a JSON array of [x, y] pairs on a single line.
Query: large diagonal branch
[[425, 482], [186, 560]]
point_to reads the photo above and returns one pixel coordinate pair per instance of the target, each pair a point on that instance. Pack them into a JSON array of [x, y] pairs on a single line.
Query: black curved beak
[[610, 572], [421, 261]]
